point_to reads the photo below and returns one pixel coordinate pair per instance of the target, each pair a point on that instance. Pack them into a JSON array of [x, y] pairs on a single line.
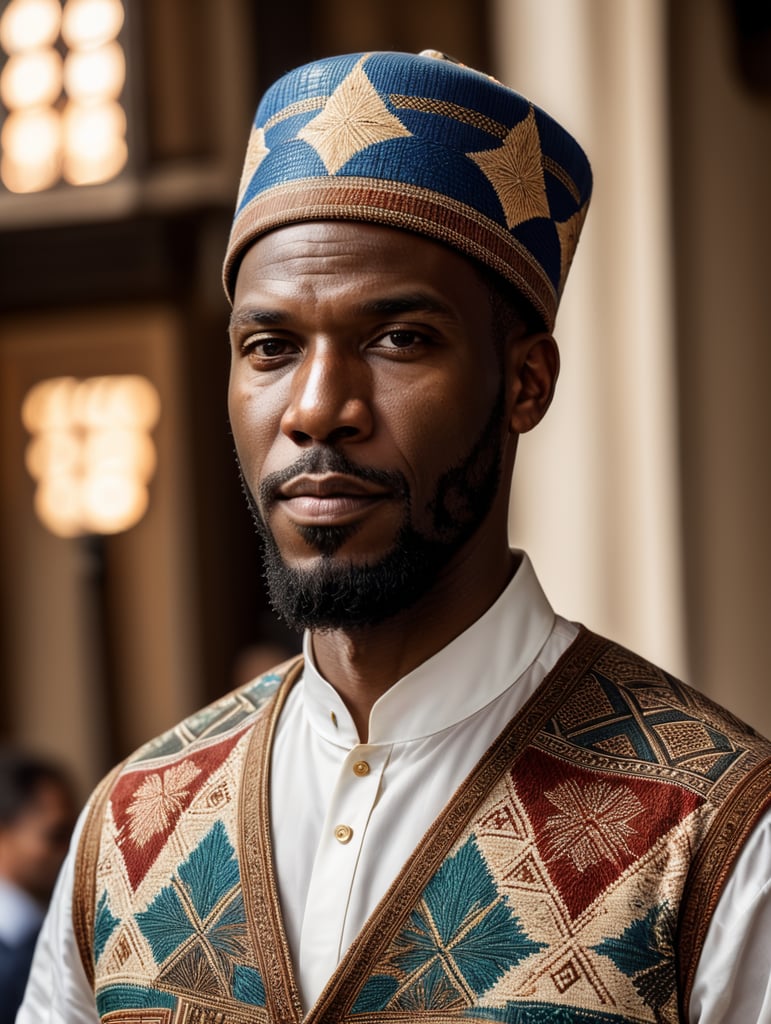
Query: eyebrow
[[415, 302], [389, 306], [255, 317]]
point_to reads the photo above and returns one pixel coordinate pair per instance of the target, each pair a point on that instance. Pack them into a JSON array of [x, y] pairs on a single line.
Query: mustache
[[318, 461]]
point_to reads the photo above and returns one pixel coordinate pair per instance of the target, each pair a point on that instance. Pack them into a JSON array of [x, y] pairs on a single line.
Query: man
[[457, 805], [37, 811]]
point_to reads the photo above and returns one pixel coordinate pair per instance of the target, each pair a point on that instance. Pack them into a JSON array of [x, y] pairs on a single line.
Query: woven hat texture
[[423, 144]]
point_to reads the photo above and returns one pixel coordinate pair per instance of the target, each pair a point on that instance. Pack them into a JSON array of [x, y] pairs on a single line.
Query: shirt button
[[361, 768], [343, 833]]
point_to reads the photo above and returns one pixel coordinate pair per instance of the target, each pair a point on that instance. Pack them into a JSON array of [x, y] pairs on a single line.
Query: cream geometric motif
[[501, 820], [566, 976], [158, 799], [684, 738], [122, 951], [217, 796], [593, 823], [515, 170], [525, 875], [589, 704], [256, 151], [619, 745], [353, 118]]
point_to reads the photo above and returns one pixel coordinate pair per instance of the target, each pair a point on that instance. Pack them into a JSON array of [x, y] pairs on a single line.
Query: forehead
[[343, 257]]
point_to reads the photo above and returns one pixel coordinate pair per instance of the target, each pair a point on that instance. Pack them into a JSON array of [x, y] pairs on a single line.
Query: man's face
[[33, 845], [367, 405]]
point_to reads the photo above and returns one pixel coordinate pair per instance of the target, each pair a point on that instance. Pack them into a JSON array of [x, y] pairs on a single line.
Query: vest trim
[[712, 865]]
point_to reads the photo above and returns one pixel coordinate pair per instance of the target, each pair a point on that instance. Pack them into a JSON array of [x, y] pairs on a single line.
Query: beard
[[341, 594]]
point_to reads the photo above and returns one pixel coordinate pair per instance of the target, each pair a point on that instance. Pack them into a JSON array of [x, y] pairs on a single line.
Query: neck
[[362, 664]]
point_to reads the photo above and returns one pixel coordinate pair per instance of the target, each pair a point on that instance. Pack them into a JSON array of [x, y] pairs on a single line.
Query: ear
[[533, 365]]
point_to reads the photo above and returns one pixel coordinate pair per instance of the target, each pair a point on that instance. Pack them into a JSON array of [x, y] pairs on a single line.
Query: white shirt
[[425, 735]]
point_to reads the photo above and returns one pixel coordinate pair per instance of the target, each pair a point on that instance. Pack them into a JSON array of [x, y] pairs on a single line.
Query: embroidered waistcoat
[[570, 878]]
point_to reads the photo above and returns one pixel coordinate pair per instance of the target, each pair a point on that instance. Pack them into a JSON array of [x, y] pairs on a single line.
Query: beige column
[[595, 497]]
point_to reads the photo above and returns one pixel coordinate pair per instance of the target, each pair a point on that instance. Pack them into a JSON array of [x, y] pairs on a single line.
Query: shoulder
[[623, 694], [189, 775], [170, 770], [227, 715]]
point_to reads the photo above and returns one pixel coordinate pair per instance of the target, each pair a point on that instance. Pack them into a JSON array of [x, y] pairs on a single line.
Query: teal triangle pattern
[[105, 924], [645, 952], [459, 941], [196, 926]]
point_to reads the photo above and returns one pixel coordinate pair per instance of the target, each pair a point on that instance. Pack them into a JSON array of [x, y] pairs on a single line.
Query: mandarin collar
[[456, 682]]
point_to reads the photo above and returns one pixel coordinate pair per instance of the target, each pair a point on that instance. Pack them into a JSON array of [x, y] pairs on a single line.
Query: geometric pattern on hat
[[422, 144]]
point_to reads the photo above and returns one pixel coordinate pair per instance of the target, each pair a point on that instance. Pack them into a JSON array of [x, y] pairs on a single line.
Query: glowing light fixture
[[31, 79], [31, 147], [92, 76], [91, 452], [27, 24], [90, 23], [65, 116]]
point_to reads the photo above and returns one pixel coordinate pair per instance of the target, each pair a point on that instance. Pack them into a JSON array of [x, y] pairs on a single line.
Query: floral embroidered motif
[[593, 823], [158, 799]]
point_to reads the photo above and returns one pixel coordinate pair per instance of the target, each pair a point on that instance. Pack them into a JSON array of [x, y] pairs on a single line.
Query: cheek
[[255, 420], [434, 426]]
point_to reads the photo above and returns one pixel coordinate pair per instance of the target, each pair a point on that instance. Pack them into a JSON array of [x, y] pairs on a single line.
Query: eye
[[266, 352], [401, 340]]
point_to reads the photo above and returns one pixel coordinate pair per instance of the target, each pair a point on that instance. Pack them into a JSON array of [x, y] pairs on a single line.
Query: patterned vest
[[571, 877]]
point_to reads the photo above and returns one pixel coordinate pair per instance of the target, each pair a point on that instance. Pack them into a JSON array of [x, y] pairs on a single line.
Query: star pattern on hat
[[353, 118], [515, 170], [568, 232], [256, 151]]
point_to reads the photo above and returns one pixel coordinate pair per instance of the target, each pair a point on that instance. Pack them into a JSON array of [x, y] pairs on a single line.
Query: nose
[[329, 400]]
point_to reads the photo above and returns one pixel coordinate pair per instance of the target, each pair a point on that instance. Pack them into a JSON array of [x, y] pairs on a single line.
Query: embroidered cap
[[424, 144]]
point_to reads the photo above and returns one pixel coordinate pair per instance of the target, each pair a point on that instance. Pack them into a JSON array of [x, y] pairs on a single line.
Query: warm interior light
[[31, 79], [57, 504], [86, 145], [112, 502], [27, 24], [47, 405], [94, 145], [90, 23], [31, 144], [91, 451], [112, 402], [95, 75], [53, 453]]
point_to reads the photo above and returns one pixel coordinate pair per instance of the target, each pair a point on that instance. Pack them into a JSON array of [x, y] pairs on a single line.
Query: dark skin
[[381, 343]]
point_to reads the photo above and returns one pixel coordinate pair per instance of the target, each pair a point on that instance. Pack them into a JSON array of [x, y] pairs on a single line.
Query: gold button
[[361, 768], [343, 833], [333, 716]]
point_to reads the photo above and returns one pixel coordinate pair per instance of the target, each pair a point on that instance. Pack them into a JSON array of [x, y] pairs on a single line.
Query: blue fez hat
[[424, 144]]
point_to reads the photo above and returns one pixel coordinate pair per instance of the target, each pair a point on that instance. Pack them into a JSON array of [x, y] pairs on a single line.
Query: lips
[[331, 499]]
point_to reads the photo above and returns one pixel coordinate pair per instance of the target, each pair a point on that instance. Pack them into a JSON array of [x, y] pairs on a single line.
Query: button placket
[[337, 856]]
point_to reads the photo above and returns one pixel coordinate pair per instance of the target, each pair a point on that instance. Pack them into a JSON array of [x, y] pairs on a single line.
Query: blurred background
[[130, 589]]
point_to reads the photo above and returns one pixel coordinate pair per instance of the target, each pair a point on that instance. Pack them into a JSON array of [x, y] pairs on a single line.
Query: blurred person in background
[[37, 813]]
